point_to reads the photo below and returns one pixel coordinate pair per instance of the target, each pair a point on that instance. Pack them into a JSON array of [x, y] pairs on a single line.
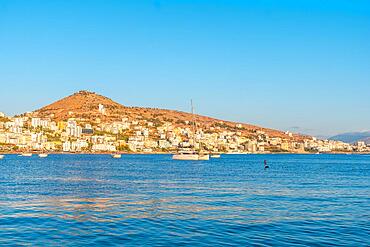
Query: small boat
[[43, 155], [215, 156], [2, 156], [26, 154], [116, 156], [190, 155], [186, 155]]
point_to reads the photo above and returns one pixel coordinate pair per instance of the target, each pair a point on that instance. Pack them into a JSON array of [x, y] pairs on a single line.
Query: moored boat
[[43, 155], [186, 155], [215, 156], [116, 156], [191, 154], [26, 154], [2, 156]]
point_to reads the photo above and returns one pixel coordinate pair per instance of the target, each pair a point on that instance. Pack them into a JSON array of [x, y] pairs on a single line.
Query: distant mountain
[[352, 137], [84, 105]]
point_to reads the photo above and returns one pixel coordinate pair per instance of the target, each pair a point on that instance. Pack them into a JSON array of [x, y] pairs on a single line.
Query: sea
[[152, 200]]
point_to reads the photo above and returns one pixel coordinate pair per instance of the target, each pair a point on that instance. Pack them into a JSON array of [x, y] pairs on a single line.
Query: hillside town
[[31, 133]]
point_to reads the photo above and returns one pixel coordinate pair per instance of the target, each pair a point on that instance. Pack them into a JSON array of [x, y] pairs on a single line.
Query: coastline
[[170, 153]]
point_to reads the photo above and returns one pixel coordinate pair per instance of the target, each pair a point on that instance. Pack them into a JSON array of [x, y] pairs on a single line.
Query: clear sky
[[291, 65]]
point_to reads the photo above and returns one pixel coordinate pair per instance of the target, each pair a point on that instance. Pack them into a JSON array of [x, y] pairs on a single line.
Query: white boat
[[215, 156], [186, 155], [116, 156], [2, 156], [26, 154], [43, 155], [191, 154]]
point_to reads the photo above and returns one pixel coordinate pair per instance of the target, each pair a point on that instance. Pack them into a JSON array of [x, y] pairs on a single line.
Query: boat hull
[[185, 157], [203, 157], [190, 157], [2, 156], [26, 155], [43, 155]]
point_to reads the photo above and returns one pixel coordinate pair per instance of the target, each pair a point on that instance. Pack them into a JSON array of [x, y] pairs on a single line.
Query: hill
[[85, 105], [82, 104], [352, 137]]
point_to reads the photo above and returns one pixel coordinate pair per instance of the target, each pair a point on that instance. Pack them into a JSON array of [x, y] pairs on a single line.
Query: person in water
[[265, 162]]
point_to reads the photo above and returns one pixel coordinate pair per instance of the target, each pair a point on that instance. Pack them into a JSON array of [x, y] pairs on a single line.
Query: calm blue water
[[74, 200]]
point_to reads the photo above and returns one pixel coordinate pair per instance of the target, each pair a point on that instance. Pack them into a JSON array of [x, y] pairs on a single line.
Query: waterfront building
[[104, 147], [66, 146]]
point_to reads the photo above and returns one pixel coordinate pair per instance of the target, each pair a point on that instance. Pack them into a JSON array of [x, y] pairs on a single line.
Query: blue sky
[[290, 65]]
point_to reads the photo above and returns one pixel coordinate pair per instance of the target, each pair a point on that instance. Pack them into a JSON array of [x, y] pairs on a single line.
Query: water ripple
[[74, 200]]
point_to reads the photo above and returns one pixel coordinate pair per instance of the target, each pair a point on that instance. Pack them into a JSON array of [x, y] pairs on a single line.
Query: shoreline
[[170, 153]]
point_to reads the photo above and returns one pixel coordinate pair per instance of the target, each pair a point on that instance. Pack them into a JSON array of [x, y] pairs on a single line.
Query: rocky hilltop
[[85, 105]]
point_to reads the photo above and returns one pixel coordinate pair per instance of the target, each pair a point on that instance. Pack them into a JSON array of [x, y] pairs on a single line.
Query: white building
[[72, 129], [79, 145], [66, 146], [19, 122], [102, 109], [35, 122], [104, 147], [36, 137], [44, 123], [164, 144]]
